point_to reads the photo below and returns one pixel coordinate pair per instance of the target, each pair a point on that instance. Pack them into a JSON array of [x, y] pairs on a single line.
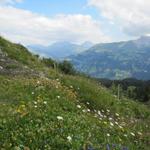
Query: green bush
[[67, 68]]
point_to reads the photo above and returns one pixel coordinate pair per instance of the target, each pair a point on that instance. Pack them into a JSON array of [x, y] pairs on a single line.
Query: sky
[[42, 22]]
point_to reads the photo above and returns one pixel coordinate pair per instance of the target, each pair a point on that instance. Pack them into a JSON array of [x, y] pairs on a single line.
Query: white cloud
[[31, 28], [4, 2], [132, 15]]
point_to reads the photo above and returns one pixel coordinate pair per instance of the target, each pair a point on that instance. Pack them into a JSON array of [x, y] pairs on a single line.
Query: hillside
[[116, 60], [42, 108]]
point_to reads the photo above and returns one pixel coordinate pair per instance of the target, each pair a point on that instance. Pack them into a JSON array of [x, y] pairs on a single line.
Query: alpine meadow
[[74, 75]]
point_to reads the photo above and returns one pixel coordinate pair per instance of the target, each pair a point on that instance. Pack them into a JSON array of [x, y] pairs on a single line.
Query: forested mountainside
[[129, 59]]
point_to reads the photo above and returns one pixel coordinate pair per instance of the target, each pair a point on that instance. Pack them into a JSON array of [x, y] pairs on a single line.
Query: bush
[[67, 68], [49, 62]]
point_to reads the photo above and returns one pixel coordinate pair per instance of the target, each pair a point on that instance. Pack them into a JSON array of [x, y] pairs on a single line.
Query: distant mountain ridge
[[60, 50], [117, 60]]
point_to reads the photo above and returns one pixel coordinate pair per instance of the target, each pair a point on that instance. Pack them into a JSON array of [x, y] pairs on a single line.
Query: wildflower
[[111, 124], [104, 116], [88, 110], [38, 82], [120, 139], [45, 102], [69, 138], [117, 114], [108, 110], [120, 127], [32, 93], [35, 106], [110, 118], [116, 122], [78, 106], [105, 122], [84, 110], [132, 134], [139, 133], [58, 97], [100, 114], [125, 135], [35, 102], [87, 103], [60, 118], [108, 134], [57, 79]]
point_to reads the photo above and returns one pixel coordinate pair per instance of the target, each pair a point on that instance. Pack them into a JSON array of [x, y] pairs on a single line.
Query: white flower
[[78, 106], [108, 110], [120, 127], [105, 116], [35, 106], [32, 93], [69, 138], [84, 110], [110, 118], [111, 124], [100, 118], [139, 133], [132, 134], [57, 79], [38, 82], [125, 135], [117, 114], [88, 110], [35, 102], [99, 113], [45, 102], [108, 134], [1, 67], [116, 123], [60, 118], [87, 103], [58, 97]]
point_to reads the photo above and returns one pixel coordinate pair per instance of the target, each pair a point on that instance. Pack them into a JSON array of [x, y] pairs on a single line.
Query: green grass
[[20, 54], [29, 109]]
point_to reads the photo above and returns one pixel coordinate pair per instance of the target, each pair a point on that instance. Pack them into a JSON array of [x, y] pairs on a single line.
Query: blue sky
[[44, 22]]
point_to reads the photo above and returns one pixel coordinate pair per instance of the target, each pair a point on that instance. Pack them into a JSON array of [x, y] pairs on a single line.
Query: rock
[[1, 68]]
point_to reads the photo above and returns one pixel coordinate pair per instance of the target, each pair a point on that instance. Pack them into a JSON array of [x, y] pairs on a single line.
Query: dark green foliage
[[66, 67], [49, 62], [132, 88]]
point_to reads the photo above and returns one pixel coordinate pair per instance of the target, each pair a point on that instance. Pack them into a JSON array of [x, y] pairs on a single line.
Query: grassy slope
[[30, 106]]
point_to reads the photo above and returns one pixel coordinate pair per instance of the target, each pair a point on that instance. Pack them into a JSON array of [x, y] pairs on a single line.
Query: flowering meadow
[[64, 112]]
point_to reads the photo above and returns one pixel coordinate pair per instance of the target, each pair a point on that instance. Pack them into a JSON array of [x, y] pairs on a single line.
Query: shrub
[[67, 68]]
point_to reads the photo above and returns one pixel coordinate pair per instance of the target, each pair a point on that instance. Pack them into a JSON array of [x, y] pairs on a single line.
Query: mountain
[[43, 108], [60, 50], [116, 60]]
